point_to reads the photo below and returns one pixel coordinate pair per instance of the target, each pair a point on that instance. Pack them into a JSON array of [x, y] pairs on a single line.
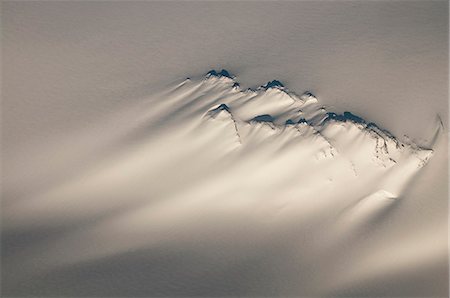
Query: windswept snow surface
[[214, 190]]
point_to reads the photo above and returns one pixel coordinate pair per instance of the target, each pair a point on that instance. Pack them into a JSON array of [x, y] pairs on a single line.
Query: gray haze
[[65, 65]]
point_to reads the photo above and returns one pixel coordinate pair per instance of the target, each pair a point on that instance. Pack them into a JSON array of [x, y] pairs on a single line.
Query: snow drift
[[212, 190]]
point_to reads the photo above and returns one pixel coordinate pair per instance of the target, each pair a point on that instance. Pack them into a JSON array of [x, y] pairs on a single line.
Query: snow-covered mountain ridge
[[305, 110], [216, 170]]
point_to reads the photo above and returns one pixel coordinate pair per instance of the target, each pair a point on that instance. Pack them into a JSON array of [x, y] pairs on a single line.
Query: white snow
[[202, 158]]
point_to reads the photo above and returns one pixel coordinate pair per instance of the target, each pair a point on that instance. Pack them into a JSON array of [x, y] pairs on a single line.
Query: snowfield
[[216, 191]]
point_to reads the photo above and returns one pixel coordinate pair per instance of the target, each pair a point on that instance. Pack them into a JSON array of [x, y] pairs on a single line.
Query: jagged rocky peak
[[289, 122], [222, 73], [274, 84], [346, 116], [221, 109], [308, 96], [263, 118], [299, 121]]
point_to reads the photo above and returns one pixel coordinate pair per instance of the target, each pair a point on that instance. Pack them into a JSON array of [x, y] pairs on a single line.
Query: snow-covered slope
[[208, 181]]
